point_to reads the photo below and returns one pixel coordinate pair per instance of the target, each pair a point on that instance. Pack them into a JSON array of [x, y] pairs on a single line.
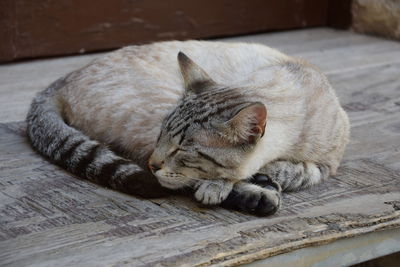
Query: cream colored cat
[[235, 122]]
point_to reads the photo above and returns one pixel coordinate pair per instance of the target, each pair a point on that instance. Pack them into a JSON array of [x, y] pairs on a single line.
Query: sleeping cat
[[235, 123]]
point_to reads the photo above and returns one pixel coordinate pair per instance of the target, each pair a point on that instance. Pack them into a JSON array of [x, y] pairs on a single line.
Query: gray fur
[[295, 176], [76, 152]]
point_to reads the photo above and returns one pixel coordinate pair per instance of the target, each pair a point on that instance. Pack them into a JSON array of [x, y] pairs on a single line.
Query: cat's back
[[150, 73], [226, 62], [125, 94]]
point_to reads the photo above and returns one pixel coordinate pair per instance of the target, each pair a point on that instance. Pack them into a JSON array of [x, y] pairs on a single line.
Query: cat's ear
[[247, 126], [195, 78]]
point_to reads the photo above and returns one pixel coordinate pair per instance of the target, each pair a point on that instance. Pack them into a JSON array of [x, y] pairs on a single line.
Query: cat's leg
[[292, 176], [254, 199], [212, 192], [244, 196]]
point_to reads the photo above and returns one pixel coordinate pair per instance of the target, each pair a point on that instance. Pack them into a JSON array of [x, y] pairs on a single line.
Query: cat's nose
[[154, 167], [154, 164]]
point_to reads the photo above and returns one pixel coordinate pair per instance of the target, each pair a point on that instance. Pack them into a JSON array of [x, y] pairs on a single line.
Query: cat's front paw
[[265, 182], [253, 199], [212, 192]]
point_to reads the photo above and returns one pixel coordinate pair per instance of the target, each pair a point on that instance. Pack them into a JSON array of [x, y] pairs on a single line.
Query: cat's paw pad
[[254, 199], [213, 192], [265, 182]]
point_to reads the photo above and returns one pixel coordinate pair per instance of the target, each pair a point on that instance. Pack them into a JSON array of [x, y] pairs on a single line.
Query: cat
[[235, 123]]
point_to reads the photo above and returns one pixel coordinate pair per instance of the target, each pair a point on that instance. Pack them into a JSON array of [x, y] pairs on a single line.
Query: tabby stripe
[[159, 136], [205, 110], [304, 176], [206, 114], [60, 146], [108, 170], [202, 120], [193, 167], [182, 138], [234, 97], [228, 107], [176, 119], [173, 152], [87, 159], [198, 168], [179, 122], [300, 176], [219, 110], [69, 152], [183, 129], [224, 108], [190, 115], [205, 118], [173, 123], [207, 157], [169, 116]]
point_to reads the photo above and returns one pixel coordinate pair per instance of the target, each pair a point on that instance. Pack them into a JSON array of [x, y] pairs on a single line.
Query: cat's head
[[210, 134]]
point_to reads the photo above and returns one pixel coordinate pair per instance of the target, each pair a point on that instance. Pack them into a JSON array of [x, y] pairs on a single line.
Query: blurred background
[[31, 29]]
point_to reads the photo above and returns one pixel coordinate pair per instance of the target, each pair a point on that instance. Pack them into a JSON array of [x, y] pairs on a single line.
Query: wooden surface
[[48, 217], [60, 27], [379, 246]]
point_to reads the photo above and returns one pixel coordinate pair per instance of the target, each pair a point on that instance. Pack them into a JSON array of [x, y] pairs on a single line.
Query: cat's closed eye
[[192, 164]]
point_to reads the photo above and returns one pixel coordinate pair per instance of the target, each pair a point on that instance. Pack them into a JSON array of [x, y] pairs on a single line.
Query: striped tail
[[76, 152]]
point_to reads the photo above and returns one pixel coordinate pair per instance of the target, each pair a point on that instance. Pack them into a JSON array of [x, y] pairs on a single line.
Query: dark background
[[38, 28]]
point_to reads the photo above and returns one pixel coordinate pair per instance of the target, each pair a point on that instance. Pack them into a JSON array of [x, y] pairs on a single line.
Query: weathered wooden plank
[[21, 81], [334, 51], [371, 97], [368, 89], [355, 57], [310, 40], [344, 252]]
